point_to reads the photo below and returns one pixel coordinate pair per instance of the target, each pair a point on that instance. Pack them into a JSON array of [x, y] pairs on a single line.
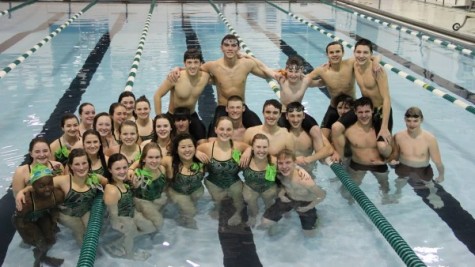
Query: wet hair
[[113, 106], [113, 159], [68, 116], [346, 99], [222, 118], [175, 157], [125, 94], [272, 102], [335, 43], [181, 113], [295, 106], [145, 151], [286, 153], [102, 114], [295, 60], [81, 107], [33, 142], [129, 123], [365, 42], [193, 53], [260, 136], [142, 98], [229, 37], [76, 153], [172, 131], [100, 153], [414, 112], [363, 101], [235, 98]]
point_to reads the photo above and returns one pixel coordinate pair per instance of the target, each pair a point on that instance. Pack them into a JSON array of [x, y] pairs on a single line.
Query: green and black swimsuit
[[222, 173], [76, 203], [151, 190]]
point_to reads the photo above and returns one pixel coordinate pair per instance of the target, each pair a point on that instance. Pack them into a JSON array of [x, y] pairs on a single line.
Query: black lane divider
[[459, 220], [69, 102], [206, 101], [237, 242]]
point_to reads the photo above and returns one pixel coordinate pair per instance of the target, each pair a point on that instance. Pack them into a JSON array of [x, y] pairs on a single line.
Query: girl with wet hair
[[124, 217], [144, 122], [62, 146], [185, 173], [87, 112], [223, 180], [39, 152]]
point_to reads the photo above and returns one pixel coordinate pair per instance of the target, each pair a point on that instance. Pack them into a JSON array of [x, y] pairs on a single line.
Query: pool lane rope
[[420, 83], [8, 11], [418, 34], [87, 256], [274, 85], [35, 48], [135, 65], [399, 245]]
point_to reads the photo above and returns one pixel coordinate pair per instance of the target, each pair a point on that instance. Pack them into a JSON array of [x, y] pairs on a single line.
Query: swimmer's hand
[[245, 158], [284, 199], [243, 55], [174, 75], [384, 132], [303, 209], [20, 200], [202, 157], [376, 66], [335, 157], [393, 162], [303, 173], [302, 161], [440, 179]]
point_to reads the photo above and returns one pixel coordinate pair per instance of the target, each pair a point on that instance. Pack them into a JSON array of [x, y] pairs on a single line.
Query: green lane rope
[[5, 12], [35, 48], [418, 34], [420, 83], [91, 237], [272, 83], [399, 245], [135, 65]]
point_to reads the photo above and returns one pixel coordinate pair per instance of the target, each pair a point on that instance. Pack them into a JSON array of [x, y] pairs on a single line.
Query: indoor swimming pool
[[90, 60]]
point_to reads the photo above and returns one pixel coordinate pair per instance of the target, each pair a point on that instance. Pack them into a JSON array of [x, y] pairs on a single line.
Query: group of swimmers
[[141, 163]]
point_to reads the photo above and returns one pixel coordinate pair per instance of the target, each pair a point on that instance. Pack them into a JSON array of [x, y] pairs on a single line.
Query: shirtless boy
[[413, 149], [279, 137], [185, 91], [301, 194], [365, 154], [304, 148]]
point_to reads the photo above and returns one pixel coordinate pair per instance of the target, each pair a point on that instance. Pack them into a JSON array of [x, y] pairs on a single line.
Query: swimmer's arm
[[162, 90], [315, 74], [393, 159], [382, 80], [325, 151], [131, 170], [202, 152], [319, 195], [20, 197], [282, 196], [261, 70], [376, 63], [103, 181], [436, 158], [18, 183]]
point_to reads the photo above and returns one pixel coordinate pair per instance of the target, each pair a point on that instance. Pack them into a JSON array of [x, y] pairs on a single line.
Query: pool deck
[[429, 13]]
